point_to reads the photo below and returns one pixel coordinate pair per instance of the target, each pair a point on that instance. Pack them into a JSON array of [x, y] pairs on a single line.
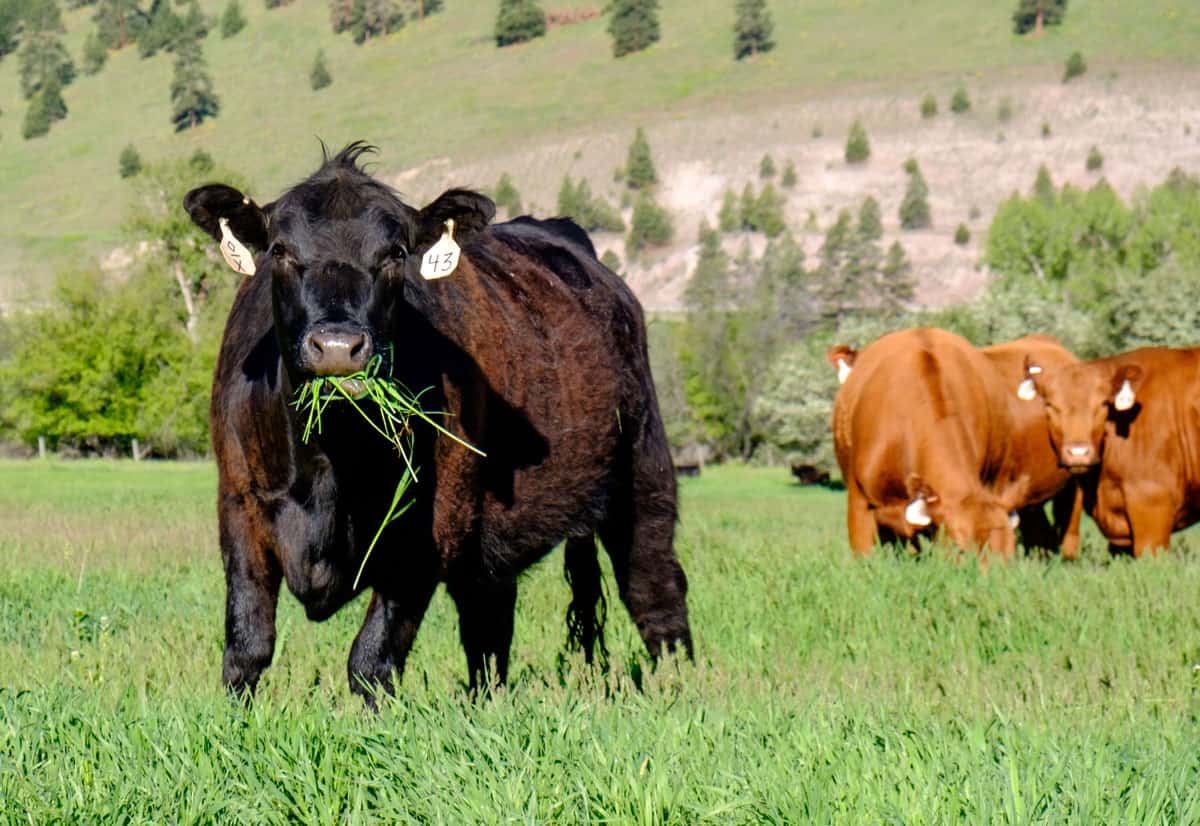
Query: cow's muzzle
[[1078, 457], [336, 351]]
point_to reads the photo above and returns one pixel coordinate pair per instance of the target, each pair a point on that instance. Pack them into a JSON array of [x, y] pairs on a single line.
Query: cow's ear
[[208, 205], [841, 358], [924, 506], [1028, 389], [469, 211], [1125, 382]]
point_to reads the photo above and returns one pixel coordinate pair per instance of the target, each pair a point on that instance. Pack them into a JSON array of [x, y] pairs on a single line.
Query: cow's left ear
[[208, 205], [1125, 382], [470, 212], [1028, 389]]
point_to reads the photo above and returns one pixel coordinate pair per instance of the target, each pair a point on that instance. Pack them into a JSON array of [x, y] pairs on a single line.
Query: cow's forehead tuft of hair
[[340, 191]]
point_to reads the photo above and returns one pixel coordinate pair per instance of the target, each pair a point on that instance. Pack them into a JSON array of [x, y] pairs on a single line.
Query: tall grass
[[826, 689]]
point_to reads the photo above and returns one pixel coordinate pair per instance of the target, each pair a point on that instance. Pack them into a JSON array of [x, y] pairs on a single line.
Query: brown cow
[[1129, 423], [1048, 480], [922, 429]]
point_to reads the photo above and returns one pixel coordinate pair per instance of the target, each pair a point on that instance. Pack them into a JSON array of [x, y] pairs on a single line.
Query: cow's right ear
[[470, 212], [1125, 382], [924, 507], [1027, 390], [208, 205], [841, 358]]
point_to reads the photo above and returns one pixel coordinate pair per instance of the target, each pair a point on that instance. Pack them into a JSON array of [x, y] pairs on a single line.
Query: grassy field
[[826, 689], [441, 89]]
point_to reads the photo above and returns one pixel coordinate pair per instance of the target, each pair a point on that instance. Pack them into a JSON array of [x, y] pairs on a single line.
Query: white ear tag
[[1026, 391], [916, 513], [1125, 398], [441, 259], [235, 253], [1014, 520], [843, 371]]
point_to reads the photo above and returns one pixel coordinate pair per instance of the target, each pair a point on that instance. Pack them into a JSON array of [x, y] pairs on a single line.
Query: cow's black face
[[337, 249]]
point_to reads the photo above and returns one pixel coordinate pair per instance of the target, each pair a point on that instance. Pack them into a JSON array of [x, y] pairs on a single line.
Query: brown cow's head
[[981, 519], [1079, 400], [337, 249]]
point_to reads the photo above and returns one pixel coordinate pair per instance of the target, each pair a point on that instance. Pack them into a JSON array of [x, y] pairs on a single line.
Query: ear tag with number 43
[[235, 253], [441, 259]]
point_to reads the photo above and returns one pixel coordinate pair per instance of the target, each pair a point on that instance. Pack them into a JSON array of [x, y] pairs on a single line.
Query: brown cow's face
[[980, 520], [1079, 400]]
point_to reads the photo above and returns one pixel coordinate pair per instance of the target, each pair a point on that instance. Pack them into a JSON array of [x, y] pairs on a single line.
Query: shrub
[[611, 260], [959, 101], [766, 167], [1094, 159], [130, 162], [650, 225], [858, 147], [928, 106], [319, 76], [95, 54], [1075, 67], [506, 196], [639, 164], [729, 219], [232, 20], [789, 176], [1046, 132], [962, 235], [519, 21], [914, 208]]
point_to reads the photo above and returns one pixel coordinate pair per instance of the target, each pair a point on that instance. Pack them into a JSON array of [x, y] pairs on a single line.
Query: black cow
[[535, 350]]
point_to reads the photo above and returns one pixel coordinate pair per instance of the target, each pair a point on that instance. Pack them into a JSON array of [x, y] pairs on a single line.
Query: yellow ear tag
[[235, 253], [441, 259]]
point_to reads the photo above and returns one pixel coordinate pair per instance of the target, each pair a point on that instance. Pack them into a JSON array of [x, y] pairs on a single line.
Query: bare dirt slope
[[1143, 121]]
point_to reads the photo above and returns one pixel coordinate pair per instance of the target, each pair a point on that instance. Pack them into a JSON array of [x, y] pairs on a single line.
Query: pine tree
[[163, 28], [710, 284], [10, 25], [753, 29], [95, 55], [613, 261], [420, 9], [789, 176], [1034, 15], [870, 219], [649, 226], [766, 167], [633, 25], [1043, 187], [130, 162], [840, 285], [506, 196], [519, 21], [46, 106], [914, 208], [896, 284], [119, 22], [43, 56], [319, 76], [375, 18], [729, 219], [858, 147], [768, 212], [232, 19], [275, 4], [747, 208], [639, 164], [192, 96]]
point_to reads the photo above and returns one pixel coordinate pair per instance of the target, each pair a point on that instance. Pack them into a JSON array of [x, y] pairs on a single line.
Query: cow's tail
[[588, 608]]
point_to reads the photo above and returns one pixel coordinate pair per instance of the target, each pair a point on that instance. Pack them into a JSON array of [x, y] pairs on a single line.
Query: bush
[[729, 219], [1075, 67], [858, 147], [1094, 159], [789, 176], [633, 25], [928, 106], [95, 55], [319, 76], [639, 164], [232, 20], [914, 208], [594, 214], [1046, 132], [650, 226], [962, 235], [130, 162], [519, 21], [506, 196], [959, 101], [766, 167], [611, 260], [792, 413]]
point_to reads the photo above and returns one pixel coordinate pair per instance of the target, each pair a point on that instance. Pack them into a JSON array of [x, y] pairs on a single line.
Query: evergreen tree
[[841, 287], [10, 26], [858, 147], [163, 28], [870, 219], [342, 15], [747, 208], [319, 76], [130, 162], [42, 57], [506, 196], [960, 101], [896, 284], [1034, 15], [275, 4], [419, 9], [639, 164], [42, 16], [789, 176], [192, 96], [729, 219], [95, 55], [914, 208], [118, 22], [519, 21], [766, 167], [611, 260], [753, 29], [46, 106], [768, 212], [375, 18], [633, 25], [650, 226], [1043, 187], [1075, 67], [232, 19]]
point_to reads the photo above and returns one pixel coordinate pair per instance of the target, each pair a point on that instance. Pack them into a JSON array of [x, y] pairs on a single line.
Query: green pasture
[[826, 689], [440, 88]]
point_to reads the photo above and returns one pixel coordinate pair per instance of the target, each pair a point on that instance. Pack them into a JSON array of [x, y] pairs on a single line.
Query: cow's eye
[[398, 253], [278, 250]]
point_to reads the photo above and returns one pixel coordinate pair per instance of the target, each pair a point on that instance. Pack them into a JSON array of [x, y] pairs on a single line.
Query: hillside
[[446, 106]]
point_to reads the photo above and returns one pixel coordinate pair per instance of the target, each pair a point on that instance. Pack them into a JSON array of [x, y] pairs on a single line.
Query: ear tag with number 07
[[441, 259], [235, 253]]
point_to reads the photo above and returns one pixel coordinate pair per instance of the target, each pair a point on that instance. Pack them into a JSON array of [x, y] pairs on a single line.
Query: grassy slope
[[827, 689], [441, 88]]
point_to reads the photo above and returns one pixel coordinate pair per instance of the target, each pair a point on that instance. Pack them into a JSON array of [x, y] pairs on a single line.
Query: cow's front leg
[[485, 626], [381, 648], [252, 580]]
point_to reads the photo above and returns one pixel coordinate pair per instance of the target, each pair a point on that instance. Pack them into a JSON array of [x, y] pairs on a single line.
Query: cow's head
[[1079, 400], [841, 358], [337, 249], [981, 518]]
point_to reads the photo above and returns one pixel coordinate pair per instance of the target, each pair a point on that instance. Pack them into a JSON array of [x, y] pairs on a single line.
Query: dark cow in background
[[535, 350], [922, 427], [1129, 425]]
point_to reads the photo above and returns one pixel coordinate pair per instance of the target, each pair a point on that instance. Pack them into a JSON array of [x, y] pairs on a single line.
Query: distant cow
[[922, 429], [1035, 456], [535, 351], [1129, 425]]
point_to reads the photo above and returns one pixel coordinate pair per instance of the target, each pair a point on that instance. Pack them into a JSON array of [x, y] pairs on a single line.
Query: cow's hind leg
[[381, 648], [485, 626], [585, 615]]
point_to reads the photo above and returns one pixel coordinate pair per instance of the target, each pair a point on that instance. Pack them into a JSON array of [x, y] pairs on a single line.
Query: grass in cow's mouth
[[368, 392]]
